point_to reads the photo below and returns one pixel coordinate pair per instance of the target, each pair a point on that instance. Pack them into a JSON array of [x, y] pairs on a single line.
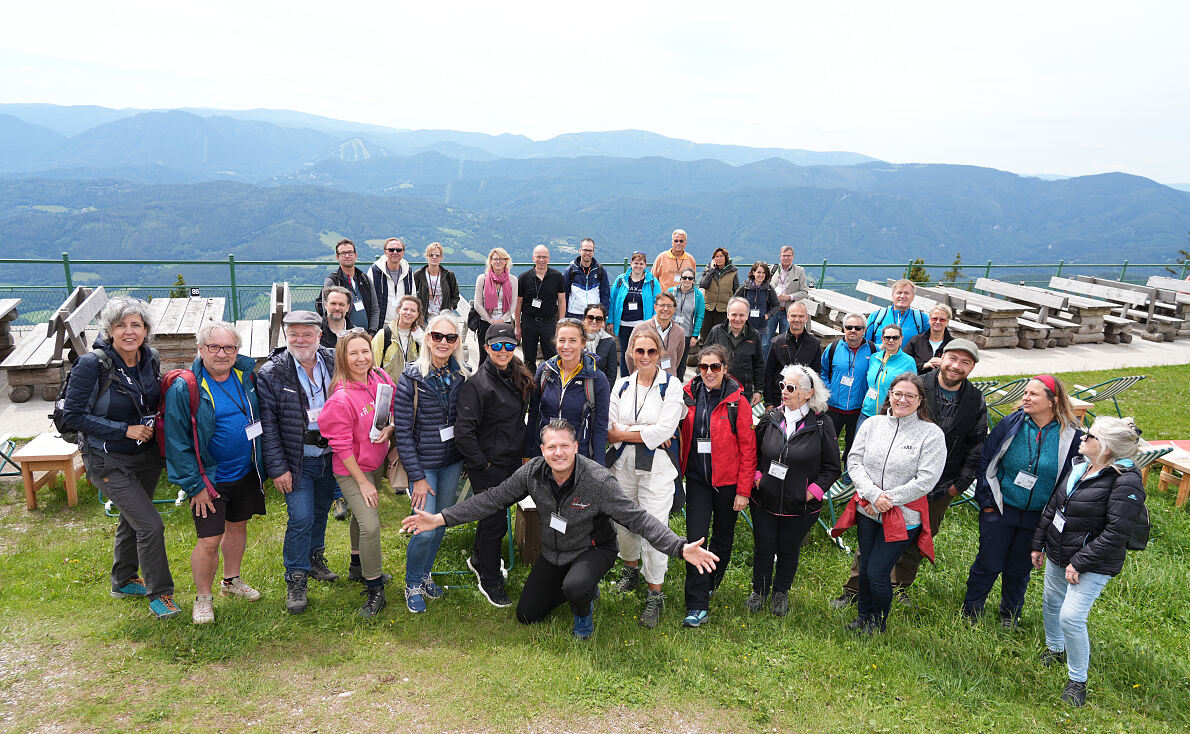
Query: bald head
[[541, 257], [797, 317]]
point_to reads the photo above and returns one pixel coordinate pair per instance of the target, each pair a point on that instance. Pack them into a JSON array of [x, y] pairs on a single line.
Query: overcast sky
[[1065, 88]]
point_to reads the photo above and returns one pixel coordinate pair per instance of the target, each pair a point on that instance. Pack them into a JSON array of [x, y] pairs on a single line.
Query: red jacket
[[733, 453], [894, 524]]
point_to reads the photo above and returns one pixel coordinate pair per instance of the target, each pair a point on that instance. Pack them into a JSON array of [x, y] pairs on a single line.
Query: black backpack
[[1141, 527], [107, 374]]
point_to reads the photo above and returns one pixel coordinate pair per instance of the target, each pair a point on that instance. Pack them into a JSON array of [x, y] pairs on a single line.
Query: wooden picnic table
[[1175, 469], [8, 314], [42, 459], [1155, 314], [998, 319], [921, 302], [1080, 408], [1044, 307], [40, 357], [176, 323]]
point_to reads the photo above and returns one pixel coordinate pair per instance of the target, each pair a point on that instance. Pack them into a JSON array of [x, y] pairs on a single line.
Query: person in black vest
[[541, 299], [1082, 539], [363, 297], [796, 346]]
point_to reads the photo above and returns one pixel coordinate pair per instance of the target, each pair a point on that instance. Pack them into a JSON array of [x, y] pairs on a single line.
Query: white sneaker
[[238, 588], [204, 609]]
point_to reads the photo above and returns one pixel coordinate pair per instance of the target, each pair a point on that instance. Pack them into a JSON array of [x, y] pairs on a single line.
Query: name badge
[[1024, 480], [778, 470], [1059, 521], [847, 381], [557, 522], [359, 305], [704, 445], [634, 307], [253, 430], [754, 313], [535, 303], [312, 414], [872, 394], [665, 363], [447, 433]]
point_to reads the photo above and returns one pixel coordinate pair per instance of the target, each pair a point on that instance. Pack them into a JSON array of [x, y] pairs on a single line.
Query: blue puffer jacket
[[179, 445], [91, 419], [840, 363], [283, 405], [419, 441], [550, 400], [987, 485]]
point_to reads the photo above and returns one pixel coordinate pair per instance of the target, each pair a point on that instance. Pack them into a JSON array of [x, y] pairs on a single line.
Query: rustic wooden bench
[[923, 302], [42, 459], [1152, 313], [1042, 309], [176, 323], [999, 320], [8, 314], [1117, 328], [259, 338], [42, 354]]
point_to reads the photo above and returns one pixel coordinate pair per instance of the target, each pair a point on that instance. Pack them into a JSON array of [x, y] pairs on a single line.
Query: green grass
[[72, 659]]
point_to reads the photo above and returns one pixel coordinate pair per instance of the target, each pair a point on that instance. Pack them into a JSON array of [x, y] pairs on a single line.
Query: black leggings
[[702, 503], [780, 536], [549, 586]]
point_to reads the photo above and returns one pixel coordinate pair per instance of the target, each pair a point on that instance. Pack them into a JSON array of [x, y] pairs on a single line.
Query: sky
[[1063, 88]]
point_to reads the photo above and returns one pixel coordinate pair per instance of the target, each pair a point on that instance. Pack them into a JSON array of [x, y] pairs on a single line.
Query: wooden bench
[[827, 335], [42, 459], [176, 322], [1156, 326], [1039, 324], [40, 357], [997, 318], [1177, 292], [1116, 327], [831, 307], [8, 314], [1175, 470], [259, 338], [925, 303]]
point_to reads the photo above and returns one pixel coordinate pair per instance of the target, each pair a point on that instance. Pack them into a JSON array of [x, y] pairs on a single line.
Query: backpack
[[674, 453], [830, 357], [1138, 539], [191, 381], [107, 375]]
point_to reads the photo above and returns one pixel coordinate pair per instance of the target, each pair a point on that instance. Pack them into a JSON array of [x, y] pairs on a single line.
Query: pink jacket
[[346, 419]]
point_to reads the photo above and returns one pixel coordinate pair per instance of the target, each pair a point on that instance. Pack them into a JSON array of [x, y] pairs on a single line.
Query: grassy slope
[[73, 659]]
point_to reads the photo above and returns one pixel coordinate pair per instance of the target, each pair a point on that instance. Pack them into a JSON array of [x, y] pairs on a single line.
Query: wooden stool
[[41, 459]]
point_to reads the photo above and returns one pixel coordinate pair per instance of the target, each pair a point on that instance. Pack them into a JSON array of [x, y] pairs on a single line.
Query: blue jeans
[[308, 505], [423, 547], [877, 558], [1064, 608], [779, 323]]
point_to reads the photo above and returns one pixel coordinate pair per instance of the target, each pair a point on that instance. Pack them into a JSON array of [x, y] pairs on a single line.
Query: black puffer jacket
[[965, 433], [746, 361], [811, 456], [490, 422], [283, 405], [418, 437], [1099, 516]]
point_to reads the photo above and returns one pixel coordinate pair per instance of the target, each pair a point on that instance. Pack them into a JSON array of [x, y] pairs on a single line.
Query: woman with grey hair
[[797, 460], [1081, 542], [111, 399]]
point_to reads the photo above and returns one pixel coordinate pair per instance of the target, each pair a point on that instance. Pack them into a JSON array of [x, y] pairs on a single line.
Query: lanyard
[[239, 388], [133, 381], [636, 406]]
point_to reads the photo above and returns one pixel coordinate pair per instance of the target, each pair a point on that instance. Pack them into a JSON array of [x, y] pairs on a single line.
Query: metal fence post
[[1185, 265], [987, 271], [1059, 273], [235, 297], [822, 281], [1123, 270], [66, 270]]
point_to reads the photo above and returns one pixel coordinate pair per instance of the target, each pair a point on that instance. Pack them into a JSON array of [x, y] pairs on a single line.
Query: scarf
[[493, 283]]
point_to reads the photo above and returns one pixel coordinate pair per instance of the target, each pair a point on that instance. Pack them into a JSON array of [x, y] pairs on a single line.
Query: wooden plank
[[1096, 290], [1019, 293], [286, 298], [244, 329], [7, 306], [842, 302], [174, 310], [1169, 284], [260, 339], [213, 311], [157, 311], [28, 345], [192, 316]]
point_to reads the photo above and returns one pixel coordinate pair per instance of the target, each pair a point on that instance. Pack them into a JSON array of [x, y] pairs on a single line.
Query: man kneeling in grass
[[578, 499]]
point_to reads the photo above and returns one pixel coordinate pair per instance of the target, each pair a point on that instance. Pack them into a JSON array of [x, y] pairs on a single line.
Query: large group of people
[[606, 437]]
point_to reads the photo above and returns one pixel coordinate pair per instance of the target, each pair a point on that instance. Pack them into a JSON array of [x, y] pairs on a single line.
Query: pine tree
[[916, 272], [180, 289], [954, 274]]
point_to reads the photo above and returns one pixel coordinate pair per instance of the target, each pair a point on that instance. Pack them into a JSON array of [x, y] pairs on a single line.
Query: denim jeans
[[877, 558], [423, 547], [779, 324], [308, 505], [1064, 608]]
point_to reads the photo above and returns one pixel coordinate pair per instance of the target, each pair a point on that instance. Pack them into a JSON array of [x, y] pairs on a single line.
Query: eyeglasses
[[500, 346], [394, 249], [891, 338], [664, 304], [1087, 436], [641, 352], [898, 395], [586, 252], [344, 252], [439, 336], [227, 349], [716, 368], [853, 328], [596, 319], [791, 388], [687, 277]]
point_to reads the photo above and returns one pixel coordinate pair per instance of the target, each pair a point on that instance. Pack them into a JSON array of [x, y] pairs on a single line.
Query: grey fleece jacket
[[902, 457], [593, 502]]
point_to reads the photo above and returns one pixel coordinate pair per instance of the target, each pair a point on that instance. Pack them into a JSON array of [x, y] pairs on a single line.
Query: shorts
[[238, 501]]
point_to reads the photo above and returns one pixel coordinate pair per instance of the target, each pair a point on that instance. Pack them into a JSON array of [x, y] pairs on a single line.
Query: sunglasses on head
[[715, 368], [596, 319], [641, 352], [502, 347], [439, 336]]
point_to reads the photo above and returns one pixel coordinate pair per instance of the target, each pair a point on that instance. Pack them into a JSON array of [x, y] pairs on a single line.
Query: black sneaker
[[319, 571], [654, 603], [1053, 657], [902, 596], [1075, 693], [845, 600], [754, 602], [629, 581], [780, 603], [295, 592], [355, 573], [858, 625], [375, 602], [495, 594]]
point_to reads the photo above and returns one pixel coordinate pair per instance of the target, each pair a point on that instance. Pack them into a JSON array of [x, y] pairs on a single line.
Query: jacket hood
[[381, 264]]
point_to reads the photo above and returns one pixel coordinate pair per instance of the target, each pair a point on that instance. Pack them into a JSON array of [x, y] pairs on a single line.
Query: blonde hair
[[432, 246], [424, 359], [501, 252]]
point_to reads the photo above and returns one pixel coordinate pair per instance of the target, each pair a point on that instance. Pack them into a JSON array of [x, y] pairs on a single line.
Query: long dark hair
[[522, 378]]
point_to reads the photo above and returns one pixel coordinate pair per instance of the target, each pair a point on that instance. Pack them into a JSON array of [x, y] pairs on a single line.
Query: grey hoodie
[[902, 457], [593, 502]]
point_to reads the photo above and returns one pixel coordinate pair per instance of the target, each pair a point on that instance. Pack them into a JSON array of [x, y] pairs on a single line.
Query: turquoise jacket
[[700, 308], [881, 375], [180, 461], [648, 291]]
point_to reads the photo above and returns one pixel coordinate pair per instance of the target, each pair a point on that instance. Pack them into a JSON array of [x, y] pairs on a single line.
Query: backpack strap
[[388, 342], [830, 361], [733, 415]]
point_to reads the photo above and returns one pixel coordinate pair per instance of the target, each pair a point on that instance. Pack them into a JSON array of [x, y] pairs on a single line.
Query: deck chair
[[1106, 391], [8, 467], [109, 508], [1006, 395], [985, 386], [464, 490], [967, 496], [1148, 456], [835, 500]]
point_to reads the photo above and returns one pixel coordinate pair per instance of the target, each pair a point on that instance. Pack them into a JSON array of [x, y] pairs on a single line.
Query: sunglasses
[[716, 368], [687, 277], [502, 346], [596, 319], [641, 352], [679, 241], [891, 337], [853, 328], [790, 388], [439, 336], [394, 249], [352, 332], [1088, 436]]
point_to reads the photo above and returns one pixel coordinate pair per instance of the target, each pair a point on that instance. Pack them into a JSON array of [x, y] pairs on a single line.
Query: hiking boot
[[754, 602], [844, 600], [204, 609], [695, 618], [319, 571], [375, 602], [163, 607], [654, 603], [295, 592], [1075, 693], [902, 597], [433, 591], [340, 509], [236, 587], [584, 627], [859, 625], [495, 594], [780, 603], [134, 587], [629, 581], [1050, 657], [415, 599], [356, 573], [1009, 623]]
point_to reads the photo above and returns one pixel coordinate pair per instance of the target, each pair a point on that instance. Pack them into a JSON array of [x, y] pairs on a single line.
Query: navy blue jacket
[[550, 400], [283, 405], [419, 442], [91, 418], [592, 282], [987, 486]]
